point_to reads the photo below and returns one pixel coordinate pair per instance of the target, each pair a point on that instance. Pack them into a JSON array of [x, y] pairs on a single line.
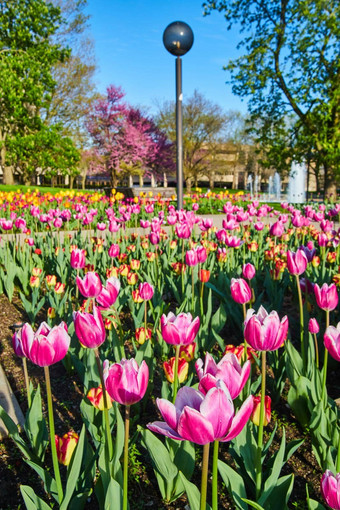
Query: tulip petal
[[218, 409], [193, 426], [187, 396], [168, 411], [240, 419], [162, 428]]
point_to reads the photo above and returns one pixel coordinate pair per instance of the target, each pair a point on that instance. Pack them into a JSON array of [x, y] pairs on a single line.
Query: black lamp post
[[178, 39]]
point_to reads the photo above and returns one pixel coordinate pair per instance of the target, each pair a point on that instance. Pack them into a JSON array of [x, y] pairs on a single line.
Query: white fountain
[[297, 183], [250, 183], [256, 185], [277, 186]]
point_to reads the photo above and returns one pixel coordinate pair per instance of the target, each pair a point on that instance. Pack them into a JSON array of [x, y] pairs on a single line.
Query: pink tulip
[[259, 226], [90, 286], [126, 382], [326, 297], [89, 328], [330, 489], [201, 418], [331, 340], [228, 369], [114, 250], [77, 258], [17, 345], [146, 291], [47, 346], [263, 331], [277, 229], [183, 231], [191, 258], [201, 254], [313, 326], [180, 330], [248, 271], [240, 291], [109, 294], [58, 223], [296, 262]]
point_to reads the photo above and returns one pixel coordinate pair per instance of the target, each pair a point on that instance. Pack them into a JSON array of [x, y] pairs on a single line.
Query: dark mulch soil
[[143, 488]]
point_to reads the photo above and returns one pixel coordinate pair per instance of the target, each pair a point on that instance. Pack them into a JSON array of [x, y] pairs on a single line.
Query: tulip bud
[[187, 351], [151, 256], [255, 415], [51, 280], [89, 328], [316, 261], [240, 291], [240, 354], [169, 370], [90, 286], [141, 335], [248, 271], [95, 396], [204, 275], [59, 288], [51, 313], [136, 296], [132, 278], [330, 489], [77, 259], [34, 281], [313, 326], [124, 269], [65, 447], [135, 264], [36, 271], [146, 291]]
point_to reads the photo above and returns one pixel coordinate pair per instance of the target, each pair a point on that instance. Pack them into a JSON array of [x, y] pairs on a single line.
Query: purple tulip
[[126, 382], [180, 330], [228, 370], [201, 418], [240, 291], [89, 328], [109, 294], [330, 489], [331, 340], [263, 331], [47, 346], [326, 297], [90, 286], [296, 262]]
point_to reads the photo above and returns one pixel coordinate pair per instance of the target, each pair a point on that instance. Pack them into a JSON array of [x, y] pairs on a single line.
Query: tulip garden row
[[151, 318]]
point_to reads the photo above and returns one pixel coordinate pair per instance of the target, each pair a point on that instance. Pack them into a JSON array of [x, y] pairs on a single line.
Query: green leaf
[[114, 496], [280, 495], [253, 504], [49, 482], [271, 480], [193, 494], [35, 426], [234, 483], [32, 501]]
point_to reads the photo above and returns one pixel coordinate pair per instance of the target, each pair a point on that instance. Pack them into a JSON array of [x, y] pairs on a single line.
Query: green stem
[[145, 316], [192, 290], [176, 373], [52, 436], [182, 272], [258, 464], [126, 457], [316, 351], [214, 477], [338, 458], [325, 363], [106, 411], [204, 478], [201, 300], [27, 382], [302, 326]]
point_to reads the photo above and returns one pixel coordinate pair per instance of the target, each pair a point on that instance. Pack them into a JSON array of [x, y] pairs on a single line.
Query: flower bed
[[151, 317]]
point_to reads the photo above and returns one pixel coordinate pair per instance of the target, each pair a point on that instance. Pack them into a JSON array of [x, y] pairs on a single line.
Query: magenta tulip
[[228, 370], [201, 254], [47, 346], [201, 418], [296, 262], [326, 297], [277, 229], [263, 331], [77, 258], [146, 291], [331, 340], [191, 258], [109, 293], [126, 382], [17, 344], [313, 326], [90, 286], [330, 489], [114, 250], [240, 291], [89, 328], [248, 271], [180, 330]]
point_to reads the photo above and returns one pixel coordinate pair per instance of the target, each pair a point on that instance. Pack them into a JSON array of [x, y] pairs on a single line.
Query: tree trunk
[[212, 180], [188, 184], [8, 177], [71, 181], [330, 184]]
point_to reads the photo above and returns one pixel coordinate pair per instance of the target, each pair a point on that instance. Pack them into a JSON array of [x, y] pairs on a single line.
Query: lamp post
[[178, 38]]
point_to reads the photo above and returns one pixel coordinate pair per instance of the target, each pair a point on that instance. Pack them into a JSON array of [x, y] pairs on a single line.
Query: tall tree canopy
[[203, 124], [126, 141], [290, 66]]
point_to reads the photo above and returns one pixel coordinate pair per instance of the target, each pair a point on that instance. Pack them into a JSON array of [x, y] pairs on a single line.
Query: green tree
[[290, 66], [203, 124], [26, 58]]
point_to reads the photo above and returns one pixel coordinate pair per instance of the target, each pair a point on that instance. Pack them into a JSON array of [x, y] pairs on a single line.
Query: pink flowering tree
[[125, 141]]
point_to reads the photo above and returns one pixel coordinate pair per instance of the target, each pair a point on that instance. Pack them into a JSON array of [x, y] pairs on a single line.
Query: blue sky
[[129, 51]]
